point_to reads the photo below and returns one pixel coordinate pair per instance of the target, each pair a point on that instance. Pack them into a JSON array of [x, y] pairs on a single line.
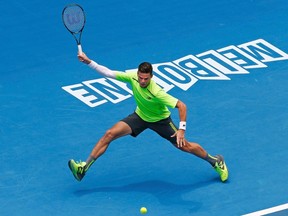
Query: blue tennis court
[[227, 60]]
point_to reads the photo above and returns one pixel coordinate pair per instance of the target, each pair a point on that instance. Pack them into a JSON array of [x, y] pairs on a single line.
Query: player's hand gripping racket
[[74, 19]]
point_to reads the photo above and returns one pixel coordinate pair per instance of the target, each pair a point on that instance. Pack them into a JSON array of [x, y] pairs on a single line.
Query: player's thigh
[[136, 124], [165, 128], [119, 129]]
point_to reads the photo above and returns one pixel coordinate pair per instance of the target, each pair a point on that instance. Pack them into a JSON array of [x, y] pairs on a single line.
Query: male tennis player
[[151, 112]]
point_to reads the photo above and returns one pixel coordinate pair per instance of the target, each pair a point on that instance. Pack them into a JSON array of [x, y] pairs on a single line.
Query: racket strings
[[74, 18]]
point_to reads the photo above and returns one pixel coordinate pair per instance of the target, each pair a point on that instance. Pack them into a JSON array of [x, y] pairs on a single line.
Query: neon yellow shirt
[[152, 101]]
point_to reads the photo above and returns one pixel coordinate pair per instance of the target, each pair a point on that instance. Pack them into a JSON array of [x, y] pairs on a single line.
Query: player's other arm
[[180, 134], [99, 68], [182, 111]]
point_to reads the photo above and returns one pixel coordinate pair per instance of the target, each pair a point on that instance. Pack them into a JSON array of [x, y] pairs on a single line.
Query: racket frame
[[78, 40]]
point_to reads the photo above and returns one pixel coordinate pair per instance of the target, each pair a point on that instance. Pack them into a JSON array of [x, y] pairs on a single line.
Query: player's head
[[144, 74], [145, 67]]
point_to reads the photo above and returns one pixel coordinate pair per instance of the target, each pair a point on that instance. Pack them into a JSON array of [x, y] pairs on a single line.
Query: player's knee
[[109, 135]]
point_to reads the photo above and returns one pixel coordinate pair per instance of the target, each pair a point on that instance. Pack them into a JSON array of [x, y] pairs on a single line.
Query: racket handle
[[79, 48]]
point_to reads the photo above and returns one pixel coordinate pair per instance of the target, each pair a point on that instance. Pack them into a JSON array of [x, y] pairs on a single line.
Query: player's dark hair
[[145, 67]]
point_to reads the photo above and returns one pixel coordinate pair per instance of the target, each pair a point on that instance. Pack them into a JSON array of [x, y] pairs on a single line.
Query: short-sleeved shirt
[[152, 101]]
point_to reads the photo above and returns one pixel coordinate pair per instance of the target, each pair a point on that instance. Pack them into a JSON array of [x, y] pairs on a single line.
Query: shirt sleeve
[[166, 99], [125, 76]]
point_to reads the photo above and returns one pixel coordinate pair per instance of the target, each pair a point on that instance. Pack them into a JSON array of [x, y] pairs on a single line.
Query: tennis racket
[[74, 19]]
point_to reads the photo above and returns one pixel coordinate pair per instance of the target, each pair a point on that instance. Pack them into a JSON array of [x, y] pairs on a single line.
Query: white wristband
[[182, 125]]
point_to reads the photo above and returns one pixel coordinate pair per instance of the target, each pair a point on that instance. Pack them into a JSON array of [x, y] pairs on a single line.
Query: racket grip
[[79, 48]]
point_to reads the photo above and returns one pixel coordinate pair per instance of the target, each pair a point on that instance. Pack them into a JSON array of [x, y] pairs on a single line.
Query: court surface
[[227, 60]]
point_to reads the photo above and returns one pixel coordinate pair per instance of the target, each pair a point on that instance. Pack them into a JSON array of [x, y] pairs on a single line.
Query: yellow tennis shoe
[[77, 169], [221, 168]]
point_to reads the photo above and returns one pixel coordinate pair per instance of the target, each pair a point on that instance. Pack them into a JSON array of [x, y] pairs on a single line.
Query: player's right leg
[[79, 169]]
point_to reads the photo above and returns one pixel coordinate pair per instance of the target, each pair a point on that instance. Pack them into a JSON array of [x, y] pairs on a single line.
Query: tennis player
[[151, 113]]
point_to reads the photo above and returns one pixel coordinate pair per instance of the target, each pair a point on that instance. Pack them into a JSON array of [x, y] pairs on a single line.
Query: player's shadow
[[167, 193]]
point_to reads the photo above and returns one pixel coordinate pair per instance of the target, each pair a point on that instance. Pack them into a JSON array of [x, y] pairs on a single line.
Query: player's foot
[[221, 168], [77, 169]]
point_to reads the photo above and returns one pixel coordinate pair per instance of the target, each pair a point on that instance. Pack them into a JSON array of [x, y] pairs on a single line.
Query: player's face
[[144, 79]]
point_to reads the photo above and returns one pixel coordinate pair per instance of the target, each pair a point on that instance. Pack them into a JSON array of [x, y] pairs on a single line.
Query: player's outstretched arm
[[84, 58], [99, 68]]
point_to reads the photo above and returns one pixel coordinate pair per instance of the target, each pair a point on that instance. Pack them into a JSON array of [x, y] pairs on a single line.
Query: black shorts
[[165, 128]]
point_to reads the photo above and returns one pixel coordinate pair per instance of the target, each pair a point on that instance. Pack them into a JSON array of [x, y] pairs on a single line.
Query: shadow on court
[[165, 192]]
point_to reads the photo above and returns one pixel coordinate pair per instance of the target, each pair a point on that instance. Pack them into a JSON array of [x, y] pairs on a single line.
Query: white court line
[[269, 210]]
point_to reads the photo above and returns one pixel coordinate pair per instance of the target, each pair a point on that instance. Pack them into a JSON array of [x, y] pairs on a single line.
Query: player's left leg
[[216, 161], [166, 128]]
